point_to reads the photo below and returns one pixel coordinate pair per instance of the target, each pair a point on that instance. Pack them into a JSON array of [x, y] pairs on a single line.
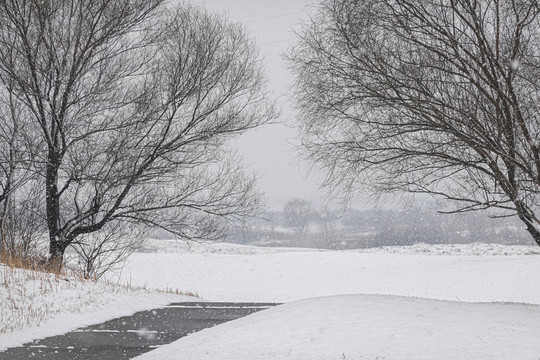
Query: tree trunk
[[532, 230], [527, 219], [57, 243], [57, 247]]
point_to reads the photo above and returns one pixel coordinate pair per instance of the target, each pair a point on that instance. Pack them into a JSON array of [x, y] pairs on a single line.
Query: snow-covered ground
[[225, 272], [368, 327], [358, 304], [35, 305], [483, 316], [478, 249]]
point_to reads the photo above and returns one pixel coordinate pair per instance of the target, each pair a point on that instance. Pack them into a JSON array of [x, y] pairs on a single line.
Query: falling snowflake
[[514, 64]]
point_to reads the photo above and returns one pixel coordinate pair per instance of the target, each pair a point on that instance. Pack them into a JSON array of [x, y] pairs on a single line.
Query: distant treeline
[[301, 224]]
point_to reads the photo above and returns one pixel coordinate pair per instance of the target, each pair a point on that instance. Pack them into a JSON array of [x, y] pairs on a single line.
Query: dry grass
[[32, 263], [176, 291], [19, 289], [167, 290], [31, 293]]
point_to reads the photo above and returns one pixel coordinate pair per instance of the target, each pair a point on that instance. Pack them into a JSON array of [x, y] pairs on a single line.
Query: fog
[[270, 151]]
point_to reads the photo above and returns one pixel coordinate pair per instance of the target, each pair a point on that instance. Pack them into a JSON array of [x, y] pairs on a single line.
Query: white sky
[[270, 150]]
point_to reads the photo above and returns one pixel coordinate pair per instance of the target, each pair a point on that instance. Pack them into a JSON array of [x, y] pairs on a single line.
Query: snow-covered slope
[[34, 305]]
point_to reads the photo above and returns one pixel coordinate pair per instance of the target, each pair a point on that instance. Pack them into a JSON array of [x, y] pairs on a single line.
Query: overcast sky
[[269, 151]]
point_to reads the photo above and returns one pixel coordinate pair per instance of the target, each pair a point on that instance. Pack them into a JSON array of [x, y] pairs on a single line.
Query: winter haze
[[131, 227], [271, 150]]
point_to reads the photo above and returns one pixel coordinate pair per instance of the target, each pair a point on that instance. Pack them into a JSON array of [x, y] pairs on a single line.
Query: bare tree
[[106, 249], [23, 222], [9, 158], [135, 102], [434, 96], [297, 214], [18, 219], [328, 223]]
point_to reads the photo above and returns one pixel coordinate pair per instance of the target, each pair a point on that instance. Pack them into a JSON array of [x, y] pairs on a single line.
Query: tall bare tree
[[135, 101], [433, 96]]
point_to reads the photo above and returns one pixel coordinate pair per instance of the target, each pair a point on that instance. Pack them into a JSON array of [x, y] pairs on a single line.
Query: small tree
[[439, 97], [106, 249], [135, 102]]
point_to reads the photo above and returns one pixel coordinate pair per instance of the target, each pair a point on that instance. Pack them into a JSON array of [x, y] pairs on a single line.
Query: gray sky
[[269, 151]]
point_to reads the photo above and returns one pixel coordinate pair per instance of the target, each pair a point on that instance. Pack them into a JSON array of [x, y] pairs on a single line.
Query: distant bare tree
[[328, 222], [436, 96], [135, 102], [297, 214]]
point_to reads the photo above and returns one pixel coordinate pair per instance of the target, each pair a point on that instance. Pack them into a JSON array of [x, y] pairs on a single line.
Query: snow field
[[328, 314], [221, 272], [479, 313]]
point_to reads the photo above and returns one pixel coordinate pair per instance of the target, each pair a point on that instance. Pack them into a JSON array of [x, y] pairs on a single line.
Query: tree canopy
[[434, 96], [130, 104]]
